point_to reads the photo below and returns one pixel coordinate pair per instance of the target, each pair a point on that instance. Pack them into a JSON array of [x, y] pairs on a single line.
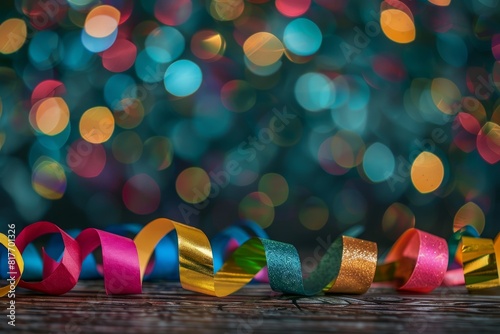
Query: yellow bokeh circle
[[97, 125], [427, 172], [50, 116], [13, 34], [397, 26], [469, 214], [263, 49], [193, 185]]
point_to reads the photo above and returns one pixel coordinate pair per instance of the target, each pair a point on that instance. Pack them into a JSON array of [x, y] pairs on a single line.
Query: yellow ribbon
[[481, 261], [17, 258]]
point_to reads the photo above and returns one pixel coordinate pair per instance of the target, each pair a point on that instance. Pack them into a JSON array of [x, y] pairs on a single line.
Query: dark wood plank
[[166, 306]]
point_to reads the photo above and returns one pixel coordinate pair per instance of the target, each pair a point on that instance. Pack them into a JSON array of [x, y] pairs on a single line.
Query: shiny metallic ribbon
[[455, 274], [481, 262], [417, 262], [348, 265]]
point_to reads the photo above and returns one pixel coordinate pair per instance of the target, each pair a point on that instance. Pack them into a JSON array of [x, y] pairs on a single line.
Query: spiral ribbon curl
[[481, 262], [348, 265], [417, 262]]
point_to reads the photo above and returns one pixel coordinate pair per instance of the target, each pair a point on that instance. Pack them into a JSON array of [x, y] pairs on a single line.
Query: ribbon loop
[[348, 265], [481, 262], [13, 255], [357, 269], [119, 259], [61, 278], [417, 261]]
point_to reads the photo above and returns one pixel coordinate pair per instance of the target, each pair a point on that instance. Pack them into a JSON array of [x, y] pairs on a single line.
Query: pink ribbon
[[119, 260], [61, 277], [427, 252]]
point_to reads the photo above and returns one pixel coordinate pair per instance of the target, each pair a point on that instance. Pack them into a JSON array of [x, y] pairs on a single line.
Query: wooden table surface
[[165, 306]]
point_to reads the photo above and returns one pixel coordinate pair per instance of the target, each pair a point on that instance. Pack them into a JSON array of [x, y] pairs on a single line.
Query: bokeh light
[[165, 44], [45, 50], [49, 116], [378, 162], [102, 21], [396, 220], [397, 25], [85, 159], [173, 13], [118, 87], [47, 88], [141, 194], [445, 95], [101, 28], [129, 114], [347, 149], [193, 185], [314, 91], [96, 45], [302, 37], [488, 142], [208, 45], [313, 213], [470, 214], [13, 33], [183, 78], [258, 207], [440, 2], [275, 186], [49, 179], [159, 152], [292, 8], [427, 172], [495, 46], [97, 125], [226, 10], [263, 49], [120, 56]]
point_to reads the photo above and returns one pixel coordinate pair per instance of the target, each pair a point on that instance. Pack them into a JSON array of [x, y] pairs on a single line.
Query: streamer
[[348, 265], [15, 270], [163, 265], [417, 262], [481, 261], [455, 274]]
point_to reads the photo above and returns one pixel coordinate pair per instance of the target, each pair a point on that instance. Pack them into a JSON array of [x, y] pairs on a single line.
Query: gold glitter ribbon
[[481, 262]]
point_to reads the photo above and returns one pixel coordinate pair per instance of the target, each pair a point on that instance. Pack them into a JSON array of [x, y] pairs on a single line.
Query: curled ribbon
[[282, 260], [417, 262], [15, 262], [348, 265], [481, 262], [455, 274]]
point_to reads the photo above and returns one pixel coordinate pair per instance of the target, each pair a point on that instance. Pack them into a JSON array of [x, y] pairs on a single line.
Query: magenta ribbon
[[419, 261], [61, 277]]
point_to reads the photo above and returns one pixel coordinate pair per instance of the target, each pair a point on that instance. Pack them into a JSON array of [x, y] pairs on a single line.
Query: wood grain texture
[[165, 306]]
